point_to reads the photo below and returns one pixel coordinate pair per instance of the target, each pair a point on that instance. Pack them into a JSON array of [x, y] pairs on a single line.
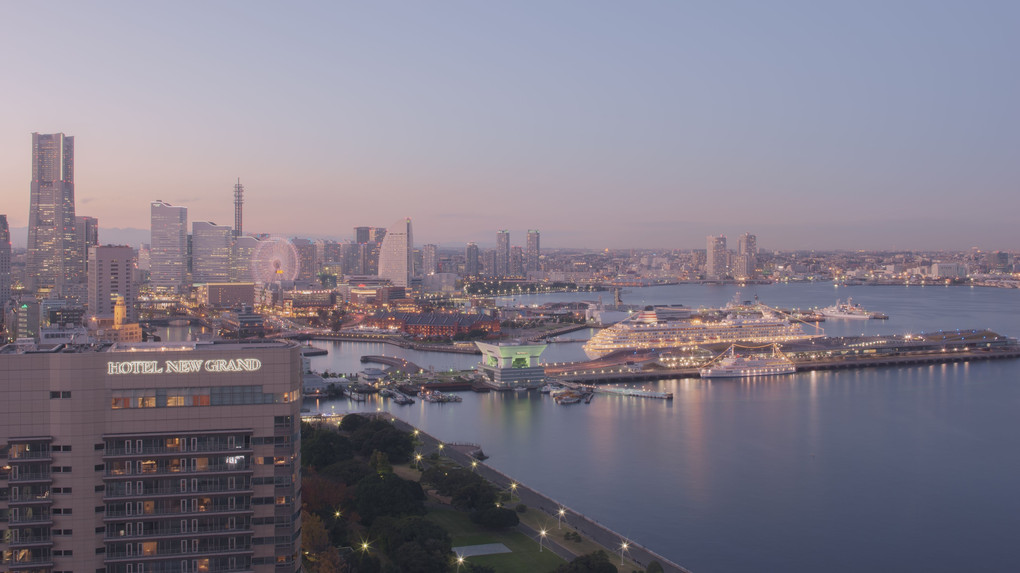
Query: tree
[[314, 538], [380, 462], [597, 562], [349, 472], [415, 544], [351, 422], [387, 494], [322, 495], [654, 567], [325, 447], [495, 517]]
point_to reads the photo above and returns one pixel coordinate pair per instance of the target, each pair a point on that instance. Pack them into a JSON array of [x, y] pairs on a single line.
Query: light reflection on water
[[892, 469]]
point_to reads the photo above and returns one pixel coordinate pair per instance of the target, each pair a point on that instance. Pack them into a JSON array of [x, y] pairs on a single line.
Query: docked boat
[[436, 396], [732, 365], [651, 329], [398, 397], [850, 310]]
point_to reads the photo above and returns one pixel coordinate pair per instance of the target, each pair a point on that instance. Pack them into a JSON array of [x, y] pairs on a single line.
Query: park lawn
[[523, 558]]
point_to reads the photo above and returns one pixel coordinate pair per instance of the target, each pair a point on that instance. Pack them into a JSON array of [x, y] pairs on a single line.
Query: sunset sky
[[603, 124]]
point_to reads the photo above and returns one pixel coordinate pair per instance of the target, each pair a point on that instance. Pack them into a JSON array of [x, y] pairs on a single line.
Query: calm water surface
[[890, 469]]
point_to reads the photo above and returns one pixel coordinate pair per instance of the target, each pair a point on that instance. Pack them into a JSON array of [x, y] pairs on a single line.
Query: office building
[[151, 458], [471, 260], [210, 252], [534, 252], [111, 275], [716, 257], [502, 268], [395, 254], [430, 260], [54, 260], [168, 246], [362, 235], [5, 262], [241, 252], [238, 207], [306, 257]]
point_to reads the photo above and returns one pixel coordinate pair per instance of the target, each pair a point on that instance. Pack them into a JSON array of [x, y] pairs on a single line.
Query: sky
[[857, 125]]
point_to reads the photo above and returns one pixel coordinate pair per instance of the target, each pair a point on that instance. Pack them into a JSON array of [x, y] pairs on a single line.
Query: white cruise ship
[[647, 330], [732, 365]]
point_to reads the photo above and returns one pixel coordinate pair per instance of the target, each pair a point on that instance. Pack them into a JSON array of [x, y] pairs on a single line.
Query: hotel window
[[149, 548], [149, 466], [150, 507]]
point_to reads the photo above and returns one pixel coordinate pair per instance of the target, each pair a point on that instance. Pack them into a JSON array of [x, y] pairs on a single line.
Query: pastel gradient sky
[[866, 124]]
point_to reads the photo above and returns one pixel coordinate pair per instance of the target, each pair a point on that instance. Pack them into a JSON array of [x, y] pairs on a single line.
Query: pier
[[394, 363]]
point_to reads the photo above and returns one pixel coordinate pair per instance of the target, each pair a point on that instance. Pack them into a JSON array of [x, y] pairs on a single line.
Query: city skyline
[[853, 127]]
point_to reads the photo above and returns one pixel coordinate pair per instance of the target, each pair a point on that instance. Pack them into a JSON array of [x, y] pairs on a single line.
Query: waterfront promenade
[[534, 499]]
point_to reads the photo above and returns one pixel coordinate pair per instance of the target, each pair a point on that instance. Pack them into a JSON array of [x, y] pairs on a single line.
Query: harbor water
[[884, 469]]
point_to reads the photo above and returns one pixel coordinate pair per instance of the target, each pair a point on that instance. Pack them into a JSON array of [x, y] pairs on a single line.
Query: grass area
[[524, 556]]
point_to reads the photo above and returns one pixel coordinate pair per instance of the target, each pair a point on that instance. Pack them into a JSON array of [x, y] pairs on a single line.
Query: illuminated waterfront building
[[158, 457], [54, 260], [510, 365]]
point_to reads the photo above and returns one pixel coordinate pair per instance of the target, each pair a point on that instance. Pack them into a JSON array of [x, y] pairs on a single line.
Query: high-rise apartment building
[[747, 256], [395, 254], [502, 253], [308, 268], [86, 236], [54, 260], [362, 235], [111, 274], [5, 262], [471, 260], [241, 252], [210, 252], [430, 260], [150, 458], [516, 261], [716, 257], [168, 245], [534, 252]]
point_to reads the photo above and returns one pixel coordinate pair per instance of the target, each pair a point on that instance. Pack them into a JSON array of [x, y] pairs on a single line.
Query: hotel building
[[150, 458]]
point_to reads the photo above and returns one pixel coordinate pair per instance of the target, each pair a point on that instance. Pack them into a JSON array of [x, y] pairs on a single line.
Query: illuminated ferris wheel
[[275, 260]]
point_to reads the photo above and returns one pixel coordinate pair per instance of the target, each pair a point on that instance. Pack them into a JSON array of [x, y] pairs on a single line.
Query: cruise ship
[[667, 328], [732, 365]]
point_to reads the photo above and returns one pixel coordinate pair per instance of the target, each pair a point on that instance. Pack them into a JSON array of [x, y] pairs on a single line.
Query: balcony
[[209, 469], [31, 541], [40, 563], [176, 553], [176, 531], [31, 500], [121, 515], [33, 456], [28, 477], [45, 519], [176, 452], [159, 492]]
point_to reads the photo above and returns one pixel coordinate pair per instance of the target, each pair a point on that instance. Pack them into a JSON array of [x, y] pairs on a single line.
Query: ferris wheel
[[275, 260]]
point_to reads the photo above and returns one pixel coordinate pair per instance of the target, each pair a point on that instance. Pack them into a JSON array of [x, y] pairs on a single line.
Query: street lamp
[[417, 460], [541, 537], [623, 547], [559, 518], [474, 465], [460, 561], [513, 490]]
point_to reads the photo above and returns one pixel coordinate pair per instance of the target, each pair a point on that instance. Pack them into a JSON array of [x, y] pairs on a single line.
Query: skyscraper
[[502, 253], [471, 260], [111, 273], [715, 257], [5, 262], [747, 256], [516, 261], [534, 252], [430, 260], [210, 252], [238, 204], [53, 258], [362, 235], [168, 245], [395, 262], [86, 235]]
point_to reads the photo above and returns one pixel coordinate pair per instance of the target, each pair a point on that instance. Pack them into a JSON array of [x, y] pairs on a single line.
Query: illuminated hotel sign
[[183, 366]]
